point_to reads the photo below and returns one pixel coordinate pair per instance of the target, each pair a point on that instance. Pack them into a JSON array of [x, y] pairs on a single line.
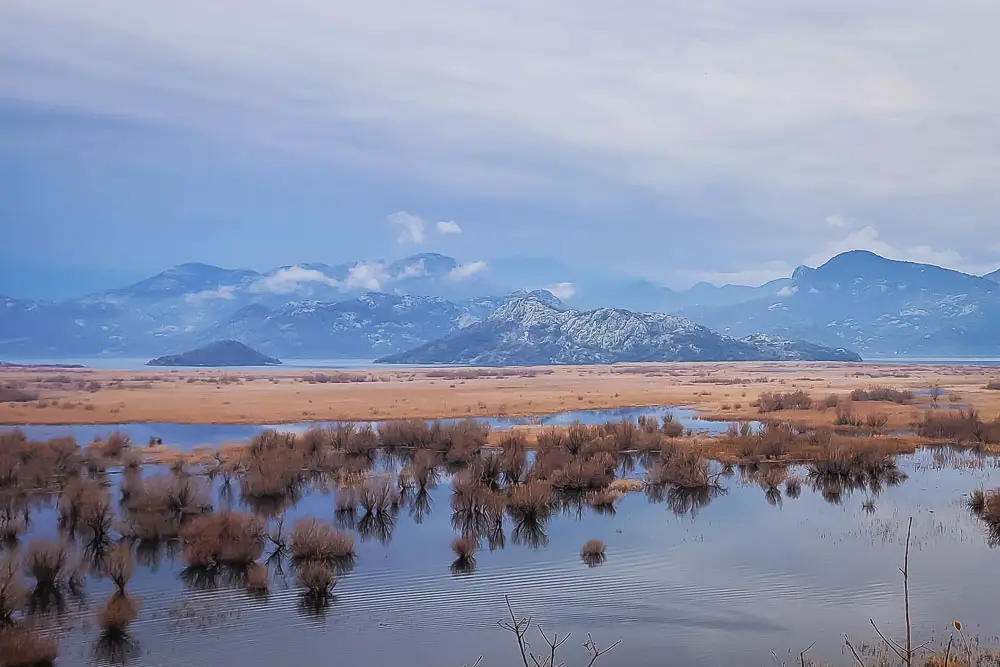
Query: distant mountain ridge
[[216, 355], [857, 300], [525, 331]]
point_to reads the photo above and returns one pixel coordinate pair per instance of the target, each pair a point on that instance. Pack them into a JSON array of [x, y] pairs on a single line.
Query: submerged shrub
[[226, 539], [20, 647], [316, 542], [258, 579], [118, 613], [318, 581], [592, 553], [465, 554], [46, 562], [12, 593], [120, 566]]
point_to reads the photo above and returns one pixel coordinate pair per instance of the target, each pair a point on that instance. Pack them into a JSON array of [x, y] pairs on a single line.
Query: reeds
[[962, 426]]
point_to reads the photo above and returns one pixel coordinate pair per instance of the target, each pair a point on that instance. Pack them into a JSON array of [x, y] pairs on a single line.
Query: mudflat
[[724, 391]]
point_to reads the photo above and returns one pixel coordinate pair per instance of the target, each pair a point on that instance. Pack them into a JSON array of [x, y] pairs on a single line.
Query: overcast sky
[[721, 140]]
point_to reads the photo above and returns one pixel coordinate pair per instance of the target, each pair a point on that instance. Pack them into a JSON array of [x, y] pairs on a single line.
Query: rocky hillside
[[218, 354], [527, 331]]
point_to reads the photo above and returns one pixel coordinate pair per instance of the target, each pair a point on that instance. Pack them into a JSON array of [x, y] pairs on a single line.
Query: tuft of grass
[[977, 502], [593, 553], [318, 581], [464, 549], [118, 613]]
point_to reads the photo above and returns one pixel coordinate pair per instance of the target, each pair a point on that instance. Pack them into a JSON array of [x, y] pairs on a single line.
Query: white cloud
[[868, 238], [366, 275], [415, 270], [788, 290], [754, 275], [223, 292], [289, 279], [411, 227], [836, 221], [448, 227], [463, 271], [562, 291]]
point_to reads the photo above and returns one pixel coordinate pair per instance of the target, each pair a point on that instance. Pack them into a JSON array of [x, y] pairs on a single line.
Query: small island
[[218, 354]]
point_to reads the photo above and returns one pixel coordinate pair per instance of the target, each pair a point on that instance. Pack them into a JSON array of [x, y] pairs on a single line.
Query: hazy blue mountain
[[874, 305], [995, 276], [366, 326], [527, 331], [218, 354]]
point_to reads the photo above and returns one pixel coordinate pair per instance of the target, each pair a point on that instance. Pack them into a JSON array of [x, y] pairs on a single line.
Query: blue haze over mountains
[[857, 300]]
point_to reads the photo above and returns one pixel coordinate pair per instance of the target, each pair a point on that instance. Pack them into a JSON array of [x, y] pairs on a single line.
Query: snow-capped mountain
[[528, 331], [874, 305]]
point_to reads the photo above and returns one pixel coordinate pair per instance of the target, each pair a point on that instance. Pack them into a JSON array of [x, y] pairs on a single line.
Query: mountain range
[[527, 331], [857, 300]]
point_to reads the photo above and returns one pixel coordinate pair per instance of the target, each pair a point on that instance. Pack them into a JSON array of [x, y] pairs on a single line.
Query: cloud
[[289, 279], [411, 227], [415, 270], [788, 290], [836, 221], [562, 291], [223, 292], [868, 238], [448, 227], [367, 276], [463, 271]]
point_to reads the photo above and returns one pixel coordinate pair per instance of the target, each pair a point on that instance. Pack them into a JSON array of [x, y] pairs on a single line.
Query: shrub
[[530, 501], [118, 613], [685, 470], [464, 548], [120, 566], [977, 502], [831, 401], [20, 647], [258, 579], [11, 394], [315, 541], [46, 563], [993, 385], [592, 553], [318, 581], [773, 402], [960, 426], [12, 593], [226, 539], [671, 428], [883, 393], [378, 496], [170, 494], [847, 418]]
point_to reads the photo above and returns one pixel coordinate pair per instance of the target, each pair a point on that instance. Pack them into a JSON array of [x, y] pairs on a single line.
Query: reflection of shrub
[[258, 579], [12, 593], [120, 566], [46, 562]]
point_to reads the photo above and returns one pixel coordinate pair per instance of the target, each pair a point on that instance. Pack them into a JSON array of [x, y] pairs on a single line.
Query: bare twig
[[848, 644], [802, 655], [947, 651], [906, 592]]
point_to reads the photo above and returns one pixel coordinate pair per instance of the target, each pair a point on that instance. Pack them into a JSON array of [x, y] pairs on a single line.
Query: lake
[[188, 436], [723, 583]]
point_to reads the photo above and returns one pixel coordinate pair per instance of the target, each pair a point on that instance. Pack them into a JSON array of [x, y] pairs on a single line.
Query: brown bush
[[593, 553], [464, 548], [118, 613], [883, 393], [317, 579], [46, 561], [11, 394], [993, 385], [258, 579], [12, 592], [963, 426], [685, 470], [315, 541], [774, 402], [405, 434], [532, 501], [20, 647], [120, 565], [378, 496], [170, 494], [671, 428], [226, 539]]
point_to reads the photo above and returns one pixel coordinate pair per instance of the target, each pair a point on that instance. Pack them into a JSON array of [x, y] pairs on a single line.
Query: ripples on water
[[724, 585]]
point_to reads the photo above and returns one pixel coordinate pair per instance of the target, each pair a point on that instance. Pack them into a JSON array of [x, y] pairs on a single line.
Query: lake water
[[723, 585], [188, 436]]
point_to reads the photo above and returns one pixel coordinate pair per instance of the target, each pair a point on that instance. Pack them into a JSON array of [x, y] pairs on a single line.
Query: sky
[[724, 140]]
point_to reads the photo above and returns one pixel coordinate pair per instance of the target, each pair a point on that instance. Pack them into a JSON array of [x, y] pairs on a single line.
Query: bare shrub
[[686, 470], [120, 566], [13, 595], [847, 418], [118, 613], [977, 502], [531, 501], [464, 549], [963, 426], [774, 402], [593, 553], [883, 393], [258, 579], [21, 647], [993, 385], [170, 494], [318, 581], [46, 562], [11, 394], [226, 539], [315, 541]]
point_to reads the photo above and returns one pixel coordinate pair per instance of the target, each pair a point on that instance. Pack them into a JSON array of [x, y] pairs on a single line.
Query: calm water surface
[[723, 585], [188, 436]]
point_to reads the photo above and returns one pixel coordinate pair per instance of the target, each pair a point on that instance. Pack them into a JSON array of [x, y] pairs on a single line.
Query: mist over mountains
[[857, 301]]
